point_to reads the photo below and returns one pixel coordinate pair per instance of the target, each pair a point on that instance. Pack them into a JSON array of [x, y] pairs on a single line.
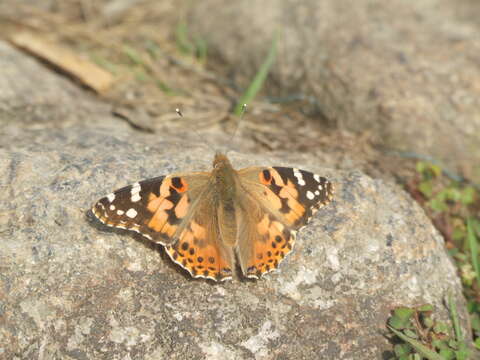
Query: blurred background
[[402, 77]]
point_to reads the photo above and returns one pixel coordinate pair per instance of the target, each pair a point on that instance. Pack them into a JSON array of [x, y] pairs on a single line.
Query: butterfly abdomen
[[227, 222], [226, 186]]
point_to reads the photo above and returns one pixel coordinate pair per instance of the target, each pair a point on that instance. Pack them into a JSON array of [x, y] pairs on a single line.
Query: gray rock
[[405, 72], [30, 95], [73, 289]]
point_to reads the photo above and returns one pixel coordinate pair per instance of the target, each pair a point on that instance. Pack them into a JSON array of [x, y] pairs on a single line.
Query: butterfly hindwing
[[263, 240], [199, 248]]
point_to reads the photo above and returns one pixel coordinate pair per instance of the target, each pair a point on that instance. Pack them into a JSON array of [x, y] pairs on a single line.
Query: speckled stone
[[73, 289]]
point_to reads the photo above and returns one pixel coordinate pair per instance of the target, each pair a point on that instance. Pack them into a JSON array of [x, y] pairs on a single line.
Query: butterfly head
[[221, 162]]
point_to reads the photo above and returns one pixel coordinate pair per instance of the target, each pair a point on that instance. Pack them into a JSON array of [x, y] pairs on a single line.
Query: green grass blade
[[181, 37], [202, 50], [259, 78], [473, 244], [418, 346], [104, 63], [133, 55], [456, 323]]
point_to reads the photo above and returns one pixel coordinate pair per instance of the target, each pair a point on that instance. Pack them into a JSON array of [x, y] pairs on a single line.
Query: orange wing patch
[[274, 243], [292, 209], [169, 207], [197, 252]]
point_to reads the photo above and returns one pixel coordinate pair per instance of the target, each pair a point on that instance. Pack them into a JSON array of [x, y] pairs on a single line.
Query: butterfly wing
[[278, 202], [177, 212], [263, 241], [200, 249]]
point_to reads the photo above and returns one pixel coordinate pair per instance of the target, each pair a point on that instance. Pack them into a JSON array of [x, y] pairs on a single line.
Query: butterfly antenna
[[179, 113], [242, 113]]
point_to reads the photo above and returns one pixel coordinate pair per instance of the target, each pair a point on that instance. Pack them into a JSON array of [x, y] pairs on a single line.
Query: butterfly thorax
[[226, 179]]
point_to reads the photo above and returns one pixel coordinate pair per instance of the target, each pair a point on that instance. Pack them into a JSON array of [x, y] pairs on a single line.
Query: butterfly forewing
[[154, 207], [291, 194], [127, 208], [307, 192]]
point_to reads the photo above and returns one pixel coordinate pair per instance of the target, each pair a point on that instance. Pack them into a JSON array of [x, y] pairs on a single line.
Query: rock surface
[[405, 72], [72, 289]]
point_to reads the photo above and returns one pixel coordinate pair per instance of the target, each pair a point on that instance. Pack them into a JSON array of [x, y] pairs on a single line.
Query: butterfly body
[[227, 183], [207, 220]]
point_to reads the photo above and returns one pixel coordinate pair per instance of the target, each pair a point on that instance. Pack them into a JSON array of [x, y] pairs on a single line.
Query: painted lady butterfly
[[204, 219]]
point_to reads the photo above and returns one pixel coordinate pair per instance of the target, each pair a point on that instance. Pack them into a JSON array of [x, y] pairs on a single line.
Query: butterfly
[[208, 220]]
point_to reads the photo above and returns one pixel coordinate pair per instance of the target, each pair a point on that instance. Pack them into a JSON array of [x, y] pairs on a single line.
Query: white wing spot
[[310, 195], [317, 192], [131, 213], [120, 212], [111, 197], [316, 177], [320, 187], [136, 188], [299, 177], [112, 207]]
